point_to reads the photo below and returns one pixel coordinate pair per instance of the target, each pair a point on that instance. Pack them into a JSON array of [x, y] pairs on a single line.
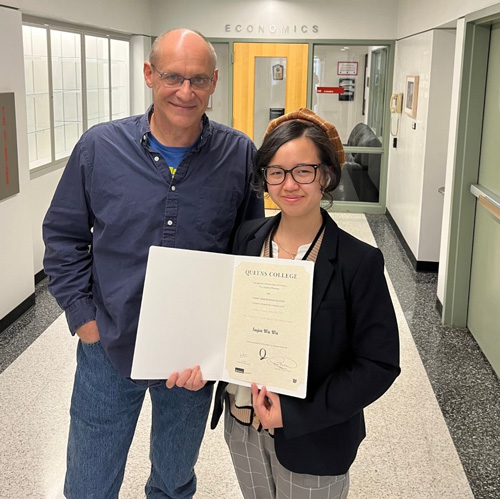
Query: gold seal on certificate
[[242, 319]]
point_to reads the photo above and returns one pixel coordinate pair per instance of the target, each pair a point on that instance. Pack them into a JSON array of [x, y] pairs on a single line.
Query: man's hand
[[88, 333], [267, 406], [190, 379]]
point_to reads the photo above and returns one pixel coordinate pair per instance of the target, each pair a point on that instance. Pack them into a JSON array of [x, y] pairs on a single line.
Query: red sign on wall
[[9, 174], [330, 90]]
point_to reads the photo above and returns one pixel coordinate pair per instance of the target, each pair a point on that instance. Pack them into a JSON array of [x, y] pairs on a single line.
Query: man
[[171, 178]]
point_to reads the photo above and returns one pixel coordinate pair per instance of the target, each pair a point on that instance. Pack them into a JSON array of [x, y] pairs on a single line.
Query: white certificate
[[243, 319]]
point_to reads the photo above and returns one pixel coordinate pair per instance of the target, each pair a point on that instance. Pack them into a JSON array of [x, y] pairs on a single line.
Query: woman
[[284, 446]]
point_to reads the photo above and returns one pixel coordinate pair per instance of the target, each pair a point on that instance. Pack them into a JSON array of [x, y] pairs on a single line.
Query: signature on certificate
[[281, 363]]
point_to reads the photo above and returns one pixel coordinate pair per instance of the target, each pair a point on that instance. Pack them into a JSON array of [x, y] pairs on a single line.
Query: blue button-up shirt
[[116, 198]]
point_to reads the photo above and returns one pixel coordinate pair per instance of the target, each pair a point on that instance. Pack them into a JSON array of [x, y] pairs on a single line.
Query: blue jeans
[[104, 412]]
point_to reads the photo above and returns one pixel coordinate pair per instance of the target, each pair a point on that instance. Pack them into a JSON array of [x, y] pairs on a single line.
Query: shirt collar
[[145, 128]]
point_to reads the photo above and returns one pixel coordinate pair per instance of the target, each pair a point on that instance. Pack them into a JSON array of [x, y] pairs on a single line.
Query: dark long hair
[[290, 130]]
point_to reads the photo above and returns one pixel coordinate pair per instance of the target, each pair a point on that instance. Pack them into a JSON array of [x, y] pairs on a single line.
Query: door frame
[[338, 206], [466, 167]]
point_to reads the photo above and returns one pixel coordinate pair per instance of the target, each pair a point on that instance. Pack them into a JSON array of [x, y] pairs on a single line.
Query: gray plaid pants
[[261, 476]]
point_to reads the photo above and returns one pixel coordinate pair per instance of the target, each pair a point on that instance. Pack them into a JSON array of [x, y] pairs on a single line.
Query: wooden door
[[245, 94]]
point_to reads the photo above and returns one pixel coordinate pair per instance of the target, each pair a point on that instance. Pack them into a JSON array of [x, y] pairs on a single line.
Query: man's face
[[180, 108]]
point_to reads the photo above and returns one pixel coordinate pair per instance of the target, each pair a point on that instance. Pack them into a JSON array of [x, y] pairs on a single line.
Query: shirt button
[[170, 222], [157, 158], [173, 188]]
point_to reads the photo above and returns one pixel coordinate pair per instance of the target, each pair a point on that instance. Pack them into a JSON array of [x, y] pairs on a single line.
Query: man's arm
[[67, 233]]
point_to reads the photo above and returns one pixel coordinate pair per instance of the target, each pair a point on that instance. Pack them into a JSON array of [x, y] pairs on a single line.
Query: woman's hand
[[267, 406], [190, 379]]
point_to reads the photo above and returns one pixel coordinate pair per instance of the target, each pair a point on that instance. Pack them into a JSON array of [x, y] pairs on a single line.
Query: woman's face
[[294, 198]]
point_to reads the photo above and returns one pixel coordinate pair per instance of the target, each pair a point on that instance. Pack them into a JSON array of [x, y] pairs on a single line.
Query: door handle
[[493, 209], [487, 199]]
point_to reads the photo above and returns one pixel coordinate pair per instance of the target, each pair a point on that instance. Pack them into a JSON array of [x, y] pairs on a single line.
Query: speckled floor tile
[[466, 387], [19, 336]]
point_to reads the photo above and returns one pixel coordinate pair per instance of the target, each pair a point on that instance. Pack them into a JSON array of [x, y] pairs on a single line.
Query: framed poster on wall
[[278, 72], [347, 68], [411, 99]]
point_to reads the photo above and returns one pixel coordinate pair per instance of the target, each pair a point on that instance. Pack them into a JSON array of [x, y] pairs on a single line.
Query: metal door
[[484, 300]]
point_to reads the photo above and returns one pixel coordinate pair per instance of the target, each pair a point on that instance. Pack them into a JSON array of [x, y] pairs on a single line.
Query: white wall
[[280, 19], [417, 166], [141, 95], [436, 148], [415, 17], [16, 245], [128, 16], [450, 161], [405, 172], [42, 189]]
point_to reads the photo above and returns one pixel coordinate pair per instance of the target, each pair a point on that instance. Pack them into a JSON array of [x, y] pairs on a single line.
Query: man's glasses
[[175, 80], [302, 174]]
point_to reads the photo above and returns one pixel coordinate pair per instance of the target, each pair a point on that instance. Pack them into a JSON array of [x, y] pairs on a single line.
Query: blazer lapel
[[254, 246], [324, 268]]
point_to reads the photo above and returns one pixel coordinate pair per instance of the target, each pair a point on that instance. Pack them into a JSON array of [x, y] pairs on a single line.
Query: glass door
[[378, 69], [349, 87]]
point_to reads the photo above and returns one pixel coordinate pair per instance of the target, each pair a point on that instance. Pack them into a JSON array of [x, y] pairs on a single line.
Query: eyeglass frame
[[163, 74], [290, 171]]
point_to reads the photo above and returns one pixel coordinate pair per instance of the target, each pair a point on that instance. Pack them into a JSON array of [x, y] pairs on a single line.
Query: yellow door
[[288, 63]]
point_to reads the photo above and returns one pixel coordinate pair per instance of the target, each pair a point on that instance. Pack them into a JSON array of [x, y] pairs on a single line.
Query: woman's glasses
[[302, 174]]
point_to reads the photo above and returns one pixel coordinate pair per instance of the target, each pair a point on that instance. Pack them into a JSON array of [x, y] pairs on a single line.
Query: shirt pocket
[[216, 213]]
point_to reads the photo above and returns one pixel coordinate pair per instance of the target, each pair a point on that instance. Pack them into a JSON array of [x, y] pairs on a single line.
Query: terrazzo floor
[[435, 434]]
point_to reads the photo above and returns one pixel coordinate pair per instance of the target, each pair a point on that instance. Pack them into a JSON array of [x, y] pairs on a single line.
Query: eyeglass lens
[[175, 80], [195, 81], [302, 174]]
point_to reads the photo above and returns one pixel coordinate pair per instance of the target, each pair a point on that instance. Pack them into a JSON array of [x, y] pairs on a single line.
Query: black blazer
[[353, 356]]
